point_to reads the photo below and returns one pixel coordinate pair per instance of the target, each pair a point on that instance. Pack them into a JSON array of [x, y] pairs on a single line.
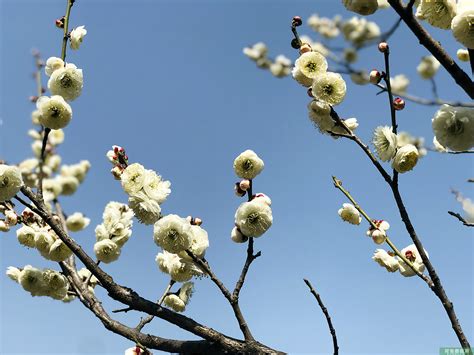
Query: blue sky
[[167, 80]]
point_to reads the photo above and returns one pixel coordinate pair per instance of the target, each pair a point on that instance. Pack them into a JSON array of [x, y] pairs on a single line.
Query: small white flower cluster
[[280, 67], [378, 234], [11, 218], [145, 188], [320, 115], [403, 154], [359, 31], [438, 13], [428, 67], [350, 214], [404, 138], [114, 231], [325, 26], [37, 282], [393, 263], [179, 300], [252, 218], [399, 84], [10, 182], [77, 222], [453, 127]]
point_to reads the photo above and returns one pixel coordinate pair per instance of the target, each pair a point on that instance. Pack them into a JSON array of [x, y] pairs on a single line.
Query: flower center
[[311, 66], [66, 81], [247, 165], [172, 234], [253, 217], [328, 89], [456, 127], [4, 182], [410, 256], [54, 111]]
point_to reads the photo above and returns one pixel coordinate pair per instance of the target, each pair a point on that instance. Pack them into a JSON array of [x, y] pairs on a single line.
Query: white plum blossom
[[173, 233], [117, 224], [350, 214], [454, 127], [237, 236], [186, 291], [13, 273], [106, 251], [31, 279], [156, 188], [53, 64], [362, 7], [78, 170], [329, 87], [69, 184], [257, 51], [437, 13], [281, 67], [76, 37], [253, 218], [66, 82], [358, 30], [59, 251], [412, 254], [399, 84], [324, 26], [310, 64], [77, 222], [133, 178], [405, 159], [463, 55], [26, 236], [179, 269], [175, 303], [384, 259], [147, 210], [319, 113], [385, 142], [428, 67], [378, 234], [248, 165], [199, 243], [10, 181], [360, 77]]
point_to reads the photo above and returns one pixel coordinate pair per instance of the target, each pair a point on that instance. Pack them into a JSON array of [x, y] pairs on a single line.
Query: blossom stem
[[461, 219], [326, 314], [338, 185], [70, 3], [145, 321], [386, 78]]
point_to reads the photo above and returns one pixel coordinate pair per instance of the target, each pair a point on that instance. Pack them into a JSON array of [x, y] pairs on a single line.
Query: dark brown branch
[[459, 76], [461, 219], [326, 314], [393, 115], [250, 258], [131, 298]]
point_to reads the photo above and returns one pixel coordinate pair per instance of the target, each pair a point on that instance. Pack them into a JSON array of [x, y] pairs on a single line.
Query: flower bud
[[60, 22], [11, 218], [238, 191], [383, 47], [4, 226], [375, 76], [297, 21], [237, 236], [244, 185], [398, 104], [305, 47]]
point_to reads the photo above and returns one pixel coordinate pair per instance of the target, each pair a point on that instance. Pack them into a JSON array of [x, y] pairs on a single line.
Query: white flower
[[43, 242], [51, 189], [385, 260], [179, 269], [77, 222], [437, 13], [378, 234], [4, 226], [399, 84], [404, 138], [360, 77], [154, 187], [175, 303], [31, 279], [133, 178], [310, 64], [53, 161], [350, 214], [76, 36], [358, 30], [172, 233], [428, 67], [147, 210], [329, 87], [319, 113], [55, 112], [66, 82], [199, 243], [248, 165], [13, 273], [59, 251], [106, 250], [301, 78], [186, 291], [438, 146], [412, 254], [454, 127], [463, 55], [35, 117], [256, 52], [56, 137], [385, 142], [253, 218], [405, 159], [237, 236], [78, 170], [53, 64], [10, 181], [69, 184], [261, 197], [350, 55], [362, 7], [26, 236]]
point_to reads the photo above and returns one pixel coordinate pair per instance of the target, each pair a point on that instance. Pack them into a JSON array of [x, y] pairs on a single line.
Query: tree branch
[[461, 219], [326, 314]]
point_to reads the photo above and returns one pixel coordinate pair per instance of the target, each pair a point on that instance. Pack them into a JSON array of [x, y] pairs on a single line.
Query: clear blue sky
[[168, 81]]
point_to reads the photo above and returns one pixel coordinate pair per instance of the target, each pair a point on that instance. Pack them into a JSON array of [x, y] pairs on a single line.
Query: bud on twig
[[238, 191], [244, 185], [305, 47], [375, 76], [297, 21], [398, 104], [60, 22], [383, 47]]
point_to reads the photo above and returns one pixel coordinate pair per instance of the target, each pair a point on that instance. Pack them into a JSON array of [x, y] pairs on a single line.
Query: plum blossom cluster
[[252, 218], [404, 155], [394, 263], [279, 67], [145, 188], [113, 232], [178, 301]]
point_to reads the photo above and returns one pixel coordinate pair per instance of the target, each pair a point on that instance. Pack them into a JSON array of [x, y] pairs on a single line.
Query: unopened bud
[[116, 172], [11, 218], [244, 185], [195, 221], [237, 236], [297, 21], [383, 47], [4, 226], [238, 191], [60, 22], [375, 76], [398, 104], [305, 47]]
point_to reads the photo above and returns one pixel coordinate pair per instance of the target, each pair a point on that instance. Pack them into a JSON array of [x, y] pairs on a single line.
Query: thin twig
[[326, 314], [461, 219], [434, 89]]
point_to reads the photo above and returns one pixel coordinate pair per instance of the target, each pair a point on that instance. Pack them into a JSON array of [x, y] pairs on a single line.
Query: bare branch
[[461, 219], [326, 314]]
